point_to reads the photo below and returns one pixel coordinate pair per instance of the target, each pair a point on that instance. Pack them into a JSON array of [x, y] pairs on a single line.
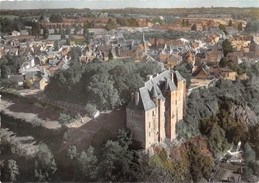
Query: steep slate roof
[[153, 88]]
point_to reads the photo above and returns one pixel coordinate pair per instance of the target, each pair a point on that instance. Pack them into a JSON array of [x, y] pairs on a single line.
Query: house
[[24, 32], [32, 75], [201, 72], [214, 54], [124, 51], [156, 107], [212, 39], [194, 44], [173, 60], [15, 33], [225, 73]]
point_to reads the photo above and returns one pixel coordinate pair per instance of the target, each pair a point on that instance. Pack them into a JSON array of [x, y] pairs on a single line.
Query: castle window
[[149, 134], [149, 125], [175, 102], [153, 113]]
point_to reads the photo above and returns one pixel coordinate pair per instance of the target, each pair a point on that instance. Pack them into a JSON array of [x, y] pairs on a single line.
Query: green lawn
[[9, 16], [80, 42]]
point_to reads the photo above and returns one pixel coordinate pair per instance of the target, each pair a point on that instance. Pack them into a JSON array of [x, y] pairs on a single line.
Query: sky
[[112, 4]]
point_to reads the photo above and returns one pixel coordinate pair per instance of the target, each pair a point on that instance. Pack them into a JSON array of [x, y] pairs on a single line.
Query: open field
[[9, 16]]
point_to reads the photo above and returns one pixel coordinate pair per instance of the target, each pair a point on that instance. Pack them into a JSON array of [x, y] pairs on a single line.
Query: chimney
[[136, 98], [132, 96], [149, 77], [166, 84]]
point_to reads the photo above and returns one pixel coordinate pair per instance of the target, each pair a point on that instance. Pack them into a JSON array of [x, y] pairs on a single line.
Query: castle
[[155, 108]]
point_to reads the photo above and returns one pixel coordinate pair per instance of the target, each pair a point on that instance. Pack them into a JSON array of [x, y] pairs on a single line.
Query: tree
[[35, 29], [68, 40], [249, 153], [41, 18], [230, 23], [68, 31], [45, 33], [78, 28], [185, 73], [252, 26], [27, 84], [72, 152], [222, 27], [110, 56], [45, 165], [55, 46], [194, 27], [63, 36], [184, 23], [227, 47], [117, 159], [91, 109], [86, 165], [12, 170], [223, 62], [64, 119], [88, 24], [55, 31], [55, 18], [110, 25]]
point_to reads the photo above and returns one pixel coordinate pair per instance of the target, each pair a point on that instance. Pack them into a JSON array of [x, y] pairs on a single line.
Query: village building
[[15, 33], [155, 108], [225, 73]]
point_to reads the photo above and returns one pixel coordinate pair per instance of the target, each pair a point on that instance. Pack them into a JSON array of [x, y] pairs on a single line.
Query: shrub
[[27, 84], [91, 109]]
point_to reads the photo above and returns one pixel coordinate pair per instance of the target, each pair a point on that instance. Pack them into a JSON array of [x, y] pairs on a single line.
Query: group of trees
[[235, 67], [118, 162], [9, 65], [55, 18], [130, 22], [110, 25], [252, 26], [8, 25], [88, 24], [103, 84], [44, 167], [9, 170]]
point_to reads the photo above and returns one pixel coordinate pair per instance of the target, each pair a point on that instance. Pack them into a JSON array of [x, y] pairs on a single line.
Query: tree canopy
[[252, 26], [55, 18], [227, 47], [110, 25], [45, 165], [103, 84]]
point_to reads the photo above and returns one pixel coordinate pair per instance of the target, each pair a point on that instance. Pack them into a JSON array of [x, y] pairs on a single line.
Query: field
[[9, 16]]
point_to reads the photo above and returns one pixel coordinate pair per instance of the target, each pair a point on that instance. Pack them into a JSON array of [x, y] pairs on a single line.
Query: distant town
[[130, 95]]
